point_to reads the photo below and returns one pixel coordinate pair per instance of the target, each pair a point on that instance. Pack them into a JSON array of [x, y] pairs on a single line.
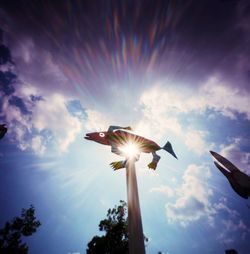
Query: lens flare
[[130, 150]]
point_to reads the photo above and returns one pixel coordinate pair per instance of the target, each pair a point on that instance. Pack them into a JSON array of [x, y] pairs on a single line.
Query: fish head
[[99, 137]]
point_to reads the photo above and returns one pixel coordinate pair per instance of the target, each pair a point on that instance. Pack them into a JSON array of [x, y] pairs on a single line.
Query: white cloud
[[48, 122], [223, 238], [230, 224], [225, 99], [240, 158], [157, 107], [195, 141], [214, 94], [168, 191], [52, 114], [96, 121], [155, 125], [48, 114], [231, 227], [156, 128], [193, 198], [185, 210], [13, 113], [221, 206], [194, 202], [37, 145], [164, 108]]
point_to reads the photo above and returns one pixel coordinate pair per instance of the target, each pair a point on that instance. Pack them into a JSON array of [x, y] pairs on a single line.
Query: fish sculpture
[[239, 181], [118, 137]]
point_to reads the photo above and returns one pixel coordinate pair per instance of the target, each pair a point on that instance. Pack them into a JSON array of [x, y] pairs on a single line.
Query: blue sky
[[173, 72]]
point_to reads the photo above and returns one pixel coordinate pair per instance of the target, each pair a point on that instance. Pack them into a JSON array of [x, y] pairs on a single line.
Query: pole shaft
[[136, 237]]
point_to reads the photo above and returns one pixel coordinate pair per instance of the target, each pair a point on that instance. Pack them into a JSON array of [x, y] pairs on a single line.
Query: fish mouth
[[87, 137]]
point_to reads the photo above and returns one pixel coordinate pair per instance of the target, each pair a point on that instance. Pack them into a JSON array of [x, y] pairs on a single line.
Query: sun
[[130, 150]]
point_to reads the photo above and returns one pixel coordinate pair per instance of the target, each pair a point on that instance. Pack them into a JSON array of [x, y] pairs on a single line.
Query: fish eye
[[101, 134]]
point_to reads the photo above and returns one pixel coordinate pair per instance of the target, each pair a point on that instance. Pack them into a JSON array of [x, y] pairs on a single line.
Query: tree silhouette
[[116, 238], [12, 233]]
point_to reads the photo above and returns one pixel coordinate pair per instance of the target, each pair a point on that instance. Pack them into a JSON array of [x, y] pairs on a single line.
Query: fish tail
[[168, 148]]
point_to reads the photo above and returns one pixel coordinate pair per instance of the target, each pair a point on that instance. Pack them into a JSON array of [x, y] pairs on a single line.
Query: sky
[[174, 71]]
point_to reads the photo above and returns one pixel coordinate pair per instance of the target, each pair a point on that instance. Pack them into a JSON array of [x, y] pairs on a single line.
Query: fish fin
[[117, 164], [152, 165], [113, 128], [168, 148]]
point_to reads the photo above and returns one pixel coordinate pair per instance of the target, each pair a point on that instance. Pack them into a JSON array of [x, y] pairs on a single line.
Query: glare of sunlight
[[130, 150]]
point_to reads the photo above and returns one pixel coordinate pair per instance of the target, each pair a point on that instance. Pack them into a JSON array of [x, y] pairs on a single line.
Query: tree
[[116, 238], [115, 241], [12, 233]]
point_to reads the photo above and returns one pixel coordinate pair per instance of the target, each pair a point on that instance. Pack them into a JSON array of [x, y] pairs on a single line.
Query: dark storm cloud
[[64, 42]]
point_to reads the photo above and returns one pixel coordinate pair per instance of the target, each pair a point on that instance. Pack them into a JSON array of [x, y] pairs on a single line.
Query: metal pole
[[136, 237]]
